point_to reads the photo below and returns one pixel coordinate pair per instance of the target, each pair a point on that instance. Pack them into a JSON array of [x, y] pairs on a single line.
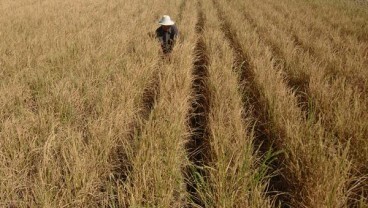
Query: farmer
[[167, 34]]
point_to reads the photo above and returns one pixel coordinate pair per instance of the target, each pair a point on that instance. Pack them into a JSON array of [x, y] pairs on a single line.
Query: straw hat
[[166, 20]]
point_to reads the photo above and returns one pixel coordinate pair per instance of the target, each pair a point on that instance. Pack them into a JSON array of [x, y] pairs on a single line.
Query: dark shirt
[[167, 39]]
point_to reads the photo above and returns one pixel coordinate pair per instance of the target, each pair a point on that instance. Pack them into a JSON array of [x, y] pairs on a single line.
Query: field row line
[[299, 150], [340, 58], [336, 120]]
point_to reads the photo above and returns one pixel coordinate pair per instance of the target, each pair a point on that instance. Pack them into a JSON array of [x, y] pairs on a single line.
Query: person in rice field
[[167, 34]]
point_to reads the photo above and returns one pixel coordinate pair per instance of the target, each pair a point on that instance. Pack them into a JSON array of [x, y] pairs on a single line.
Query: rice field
[[261, 104]]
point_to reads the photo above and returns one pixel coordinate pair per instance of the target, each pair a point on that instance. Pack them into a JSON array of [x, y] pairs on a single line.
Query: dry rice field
[[262, 104]]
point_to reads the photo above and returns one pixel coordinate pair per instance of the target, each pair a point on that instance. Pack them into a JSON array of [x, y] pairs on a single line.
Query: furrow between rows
[[120, 157], [252, 97], [198, 145]]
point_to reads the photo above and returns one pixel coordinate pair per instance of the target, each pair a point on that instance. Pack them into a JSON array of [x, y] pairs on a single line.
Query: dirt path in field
[[198, 147], [264, 138]]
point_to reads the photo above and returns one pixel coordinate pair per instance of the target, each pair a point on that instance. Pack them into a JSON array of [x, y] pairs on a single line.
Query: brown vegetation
[[261, 104]]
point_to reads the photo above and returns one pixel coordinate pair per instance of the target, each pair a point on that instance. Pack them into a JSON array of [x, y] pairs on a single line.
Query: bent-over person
[[167, 34]]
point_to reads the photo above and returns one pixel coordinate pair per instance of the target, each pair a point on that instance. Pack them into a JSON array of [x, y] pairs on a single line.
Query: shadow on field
[[198, 147]]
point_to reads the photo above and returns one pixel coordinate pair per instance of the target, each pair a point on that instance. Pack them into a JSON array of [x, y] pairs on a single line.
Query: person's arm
[[159, 36], [176, 32]]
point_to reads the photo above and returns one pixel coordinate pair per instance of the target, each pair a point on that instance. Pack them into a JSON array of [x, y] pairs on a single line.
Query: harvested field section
[[301, 141]]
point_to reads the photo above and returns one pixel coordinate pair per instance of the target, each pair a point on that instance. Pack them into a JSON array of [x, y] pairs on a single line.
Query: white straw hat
[[166, 20]]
